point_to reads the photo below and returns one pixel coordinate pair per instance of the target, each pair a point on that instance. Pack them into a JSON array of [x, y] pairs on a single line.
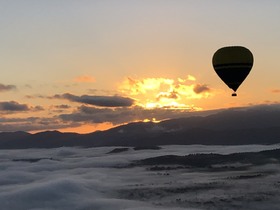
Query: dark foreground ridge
[[258, 125]]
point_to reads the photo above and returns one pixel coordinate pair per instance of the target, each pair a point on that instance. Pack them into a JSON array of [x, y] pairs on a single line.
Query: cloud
[[28, 86], [143, 86], [101, 91], [4, 88], [37, 108], [170, 95], [198, 88], [121, 115], [34, 123], [105, 101], [275, 91], [35, 96], [13, 106], [164, 92], [62, 106], [84, 78], [191, 78], [15, 120]]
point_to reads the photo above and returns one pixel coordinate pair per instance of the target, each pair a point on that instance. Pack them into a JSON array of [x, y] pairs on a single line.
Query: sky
[[81, 66]]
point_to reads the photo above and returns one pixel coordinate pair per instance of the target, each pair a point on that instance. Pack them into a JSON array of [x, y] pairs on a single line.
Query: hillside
[[230, 127]]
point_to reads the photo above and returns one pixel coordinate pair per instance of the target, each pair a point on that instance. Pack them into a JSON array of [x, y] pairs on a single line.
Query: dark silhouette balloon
[[233, 64]]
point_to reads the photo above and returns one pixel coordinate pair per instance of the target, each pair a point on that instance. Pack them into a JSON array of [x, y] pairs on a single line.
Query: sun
[[165, 93]]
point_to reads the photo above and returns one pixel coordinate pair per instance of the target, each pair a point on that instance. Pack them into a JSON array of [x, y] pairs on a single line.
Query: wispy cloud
[[275, 91], [62, 106], [4, 88], [84, 78], [35, 96], [101, 91]]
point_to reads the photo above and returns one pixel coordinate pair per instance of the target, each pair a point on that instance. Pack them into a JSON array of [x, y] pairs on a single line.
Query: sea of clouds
[[94, 179]]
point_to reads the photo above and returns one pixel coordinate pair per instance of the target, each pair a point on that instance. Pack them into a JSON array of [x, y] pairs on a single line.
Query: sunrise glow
[[116, 62], [139, 104], [165, 93]]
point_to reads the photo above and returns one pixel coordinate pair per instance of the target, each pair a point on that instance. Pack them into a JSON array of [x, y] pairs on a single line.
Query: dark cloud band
[[104, 101], [120, 115], [13, 106]]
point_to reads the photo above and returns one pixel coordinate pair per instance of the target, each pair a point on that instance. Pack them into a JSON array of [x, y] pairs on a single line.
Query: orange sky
[[80, 66]]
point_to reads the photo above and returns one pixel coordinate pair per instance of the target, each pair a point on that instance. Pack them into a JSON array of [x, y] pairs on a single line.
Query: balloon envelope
[[233, 64]]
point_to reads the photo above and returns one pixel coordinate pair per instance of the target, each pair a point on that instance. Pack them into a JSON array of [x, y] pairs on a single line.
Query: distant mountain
[[257, 125], [232, 161]]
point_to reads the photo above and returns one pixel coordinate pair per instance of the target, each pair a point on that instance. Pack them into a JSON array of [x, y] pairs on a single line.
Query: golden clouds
[[191, 78], [165, 93], [138, 87]]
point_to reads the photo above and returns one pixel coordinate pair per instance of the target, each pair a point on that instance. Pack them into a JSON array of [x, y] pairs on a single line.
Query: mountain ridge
[[228, 127]]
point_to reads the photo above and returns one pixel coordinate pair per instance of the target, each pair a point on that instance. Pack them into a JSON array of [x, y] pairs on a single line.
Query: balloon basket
[[234, 94]]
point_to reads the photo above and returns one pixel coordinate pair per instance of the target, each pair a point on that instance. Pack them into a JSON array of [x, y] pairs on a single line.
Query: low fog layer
[[96, 178]]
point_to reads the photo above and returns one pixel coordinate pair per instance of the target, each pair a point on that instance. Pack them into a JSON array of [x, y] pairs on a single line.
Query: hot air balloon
[[233, 64]]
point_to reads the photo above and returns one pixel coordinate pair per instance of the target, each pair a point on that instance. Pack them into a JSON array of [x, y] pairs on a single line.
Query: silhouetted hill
[[118, 150], [7, 137], [257, 125], [212, 160]]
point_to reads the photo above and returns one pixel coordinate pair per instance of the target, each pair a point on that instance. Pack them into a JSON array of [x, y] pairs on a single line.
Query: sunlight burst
[[165, 93]]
